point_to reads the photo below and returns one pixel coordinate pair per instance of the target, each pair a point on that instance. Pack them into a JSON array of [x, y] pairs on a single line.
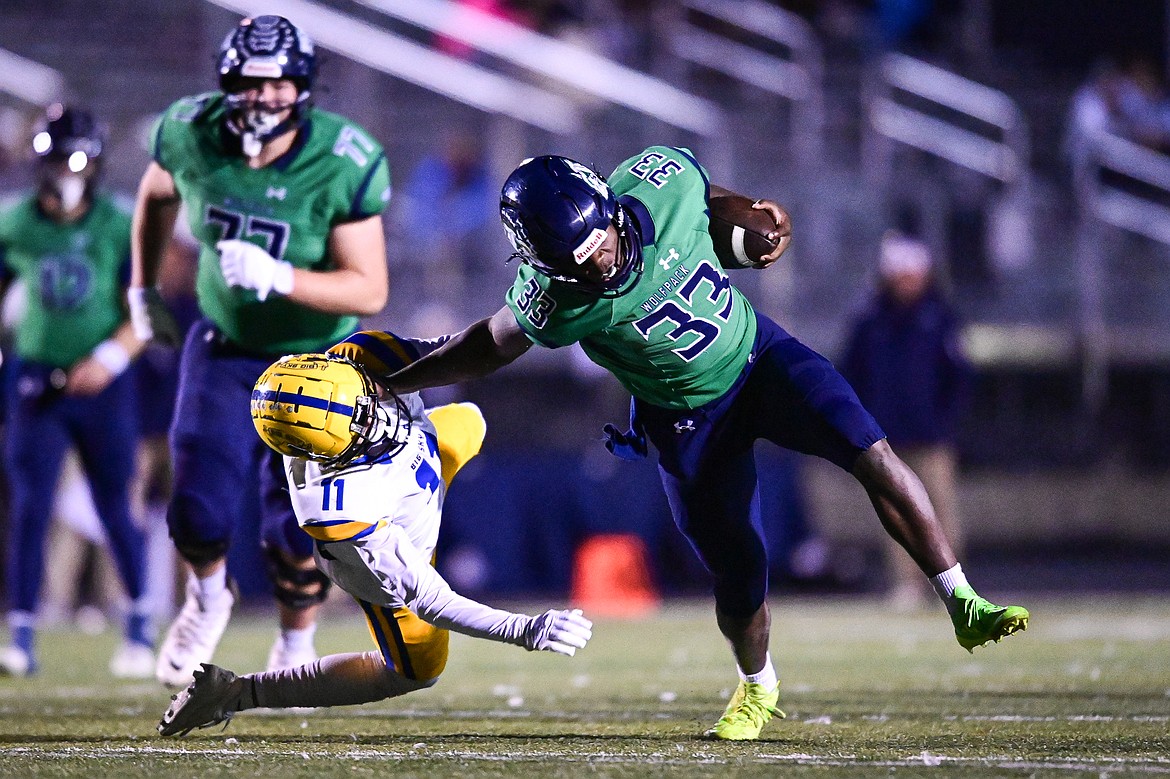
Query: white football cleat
[[281, 656], [14, 661], [212, 697], [193, 636], [133, 660]]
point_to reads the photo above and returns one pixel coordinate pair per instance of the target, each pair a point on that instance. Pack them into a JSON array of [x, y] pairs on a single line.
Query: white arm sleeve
[[428, 595]]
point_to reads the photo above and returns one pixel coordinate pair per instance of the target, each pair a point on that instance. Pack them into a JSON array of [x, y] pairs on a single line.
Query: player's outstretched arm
[[429, 596], [480, 349]]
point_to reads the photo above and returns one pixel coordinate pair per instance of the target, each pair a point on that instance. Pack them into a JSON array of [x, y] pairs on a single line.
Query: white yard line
[[1072, 764]]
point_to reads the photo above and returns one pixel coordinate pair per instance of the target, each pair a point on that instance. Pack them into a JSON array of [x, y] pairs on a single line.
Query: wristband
[[112, 356]]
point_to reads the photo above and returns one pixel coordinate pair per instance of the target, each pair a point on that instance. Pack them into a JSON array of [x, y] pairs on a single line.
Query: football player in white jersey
[[368, 472]]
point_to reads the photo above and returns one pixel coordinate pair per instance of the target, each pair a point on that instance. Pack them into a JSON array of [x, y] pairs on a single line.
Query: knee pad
[[199, 552], [294, 587]]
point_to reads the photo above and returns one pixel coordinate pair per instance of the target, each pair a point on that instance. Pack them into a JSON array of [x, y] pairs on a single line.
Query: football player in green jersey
[[628, 270], [70, 245], [285, 200]]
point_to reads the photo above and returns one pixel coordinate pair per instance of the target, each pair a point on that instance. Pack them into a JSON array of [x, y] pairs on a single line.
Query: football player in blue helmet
[[257, 51], [69, 383], [68, 143], [557, 212], [286, 266], [709, 376]]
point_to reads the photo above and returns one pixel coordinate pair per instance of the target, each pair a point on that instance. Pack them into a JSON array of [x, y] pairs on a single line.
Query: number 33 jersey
[[334, 173], [679, 334]]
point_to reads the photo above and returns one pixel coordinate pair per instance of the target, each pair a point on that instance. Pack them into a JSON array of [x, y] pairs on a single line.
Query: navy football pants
[[218, 457], [42, 425], [789, 395]]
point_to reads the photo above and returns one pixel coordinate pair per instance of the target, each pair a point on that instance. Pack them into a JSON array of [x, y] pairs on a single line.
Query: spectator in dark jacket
[[906, 360]]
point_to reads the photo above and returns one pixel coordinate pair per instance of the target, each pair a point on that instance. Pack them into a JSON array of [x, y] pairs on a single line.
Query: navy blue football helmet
[[556, 212], [69, 134], [68, 143], [266, 47]]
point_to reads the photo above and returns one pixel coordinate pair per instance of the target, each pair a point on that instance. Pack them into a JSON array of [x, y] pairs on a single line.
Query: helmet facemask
[[257, 122], [380, 431]]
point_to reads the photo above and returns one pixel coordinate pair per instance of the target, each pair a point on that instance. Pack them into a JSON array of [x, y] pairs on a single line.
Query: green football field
[[1084, 692]]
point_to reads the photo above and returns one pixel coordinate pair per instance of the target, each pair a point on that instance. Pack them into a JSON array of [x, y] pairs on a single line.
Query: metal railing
[[582, 69], [1127, 209], [1004, 153], [799, 79], [1142, 209], [30, 81]]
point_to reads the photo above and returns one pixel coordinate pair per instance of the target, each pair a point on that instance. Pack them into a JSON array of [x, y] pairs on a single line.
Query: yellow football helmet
[[324, 407]]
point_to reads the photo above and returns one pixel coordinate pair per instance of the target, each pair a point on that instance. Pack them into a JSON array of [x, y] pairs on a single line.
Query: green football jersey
[[75, 276], [334, 173], [680, 333]]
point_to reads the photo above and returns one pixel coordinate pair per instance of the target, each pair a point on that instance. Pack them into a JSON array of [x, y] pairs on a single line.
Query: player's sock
[[139, 629], [22, 625], [334, 680], [212, 586], [766, 676], [945, 584], [298, 639]]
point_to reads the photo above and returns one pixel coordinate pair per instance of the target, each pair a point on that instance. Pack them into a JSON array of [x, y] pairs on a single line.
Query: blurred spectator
[[448, 205], [906, 361]]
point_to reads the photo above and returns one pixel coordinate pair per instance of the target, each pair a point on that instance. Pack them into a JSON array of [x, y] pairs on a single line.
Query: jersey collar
[[642, 216], [285, 160]]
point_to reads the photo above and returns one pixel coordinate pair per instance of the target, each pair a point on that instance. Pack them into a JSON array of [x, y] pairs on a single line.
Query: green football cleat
[[748, 711], [978, 621]]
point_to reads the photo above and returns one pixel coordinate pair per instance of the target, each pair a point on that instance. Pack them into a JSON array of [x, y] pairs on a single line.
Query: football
[[740, 232]]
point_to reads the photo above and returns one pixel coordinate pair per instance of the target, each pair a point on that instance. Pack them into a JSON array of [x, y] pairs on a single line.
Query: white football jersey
[[406, 490], [377, 526]]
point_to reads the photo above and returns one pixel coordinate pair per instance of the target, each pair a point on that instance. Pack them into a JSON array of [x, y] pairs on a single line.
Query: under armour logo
[[670, 257], [277, 192], [683, 425]]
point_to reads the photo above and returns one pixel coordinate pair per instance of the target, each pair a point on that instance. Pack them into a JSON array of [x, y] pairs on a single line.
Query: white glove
[[563, 632], [246, 265], [150, 318]]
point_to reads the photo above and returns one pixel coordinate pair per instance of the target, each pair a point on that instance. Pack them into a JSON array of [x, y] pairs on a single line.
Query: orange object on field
[[611, 577]]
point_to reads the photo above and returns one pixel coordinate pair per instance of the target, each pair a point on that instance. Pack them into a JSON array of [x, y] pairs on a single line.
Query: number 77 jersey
[[679, 334], [334, 173]]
